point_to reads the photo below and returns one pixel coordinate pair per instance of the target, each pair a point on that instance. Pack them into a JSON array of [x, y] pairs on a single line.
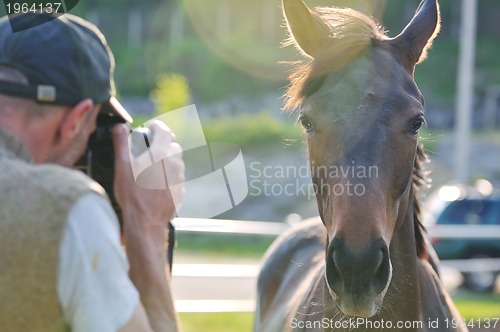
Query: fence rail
[[230, 272], [275, 229], [464, 231], [229, 226]]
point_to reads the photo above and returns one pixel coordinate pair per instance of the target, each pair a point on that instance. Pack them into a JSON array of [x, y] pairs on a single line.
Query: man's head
[[55, 78]]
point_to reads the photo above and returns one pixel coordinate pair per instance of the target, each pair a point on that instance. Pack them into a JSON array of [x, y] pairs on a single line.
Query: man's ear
[[74, 120]]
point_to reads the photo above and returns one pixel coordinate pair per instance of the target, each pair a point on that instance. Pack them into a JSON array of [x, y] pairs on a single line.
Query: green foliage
[[437, 76], [212, 78], [171, 92], [130, 71], [250, 130], [247, 130]]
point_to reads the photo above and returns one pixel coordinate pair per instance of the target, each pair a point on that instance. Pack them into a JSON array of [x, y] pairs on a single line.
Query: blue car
[[461, 220]]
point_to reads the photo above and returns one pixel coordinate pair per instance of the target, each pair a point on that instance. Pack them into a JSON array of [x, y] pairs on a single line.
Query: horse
[[364, 264]]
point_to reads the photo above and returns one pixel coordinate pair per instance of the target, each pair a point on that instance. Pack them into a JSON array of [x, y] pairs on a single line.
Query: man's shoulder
[[46, 175], [54, 180]]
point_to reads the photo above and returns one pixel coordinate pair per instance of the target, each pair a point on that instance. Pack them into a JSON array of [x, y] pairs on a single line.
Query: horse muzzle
[[358, 280]]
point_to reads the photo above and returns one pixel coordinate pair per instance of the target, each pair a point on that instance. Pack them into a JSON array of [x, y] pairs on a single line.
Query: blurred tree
[[170, 39], [171, 92]]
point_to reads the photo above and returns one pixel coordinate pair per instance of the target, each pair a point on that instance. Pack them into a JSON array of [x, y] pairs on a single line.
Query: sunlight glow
[[450, 193], [484, 187]]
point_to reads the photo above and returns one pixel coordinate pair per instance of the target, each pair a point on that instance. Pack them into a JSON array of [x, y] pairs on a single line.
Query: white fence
[[275, 229], [229, 226], [478, 232], [464, 231], [240, 278]]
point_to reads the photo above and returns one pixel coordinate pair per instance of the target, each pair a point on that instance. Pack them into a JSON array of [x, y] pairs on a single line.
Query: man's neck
[[12, 146]]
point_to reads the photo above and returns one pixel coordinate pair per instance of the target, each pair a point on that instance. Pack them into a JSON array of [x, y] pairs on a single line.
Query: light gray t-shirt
[[95, 291]]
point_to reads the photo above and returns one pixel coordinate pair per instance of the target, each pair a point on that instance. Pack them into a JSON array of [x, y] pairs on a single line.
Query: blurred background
[[224, 56]]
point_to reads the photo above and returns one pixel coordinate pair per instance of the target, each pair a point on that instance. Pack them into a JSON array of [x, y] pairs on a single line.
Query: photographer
[[61, 263]]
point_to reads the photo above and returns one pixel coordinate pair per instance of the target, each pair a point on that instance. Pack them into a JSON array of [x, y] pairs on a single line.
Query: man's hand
[[129, 195], [146, 212]]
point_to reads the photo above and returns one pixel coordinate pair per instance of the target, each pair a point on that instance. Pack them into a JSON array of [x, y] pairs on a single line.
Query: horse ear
[[414, 41], [307, 30]]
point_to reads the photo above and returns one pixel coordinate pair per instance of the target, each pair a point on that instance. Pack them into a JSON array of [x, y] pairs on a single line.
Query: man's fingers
[[160, 127], [120, 142], [175, 150], [162, 147], [163, 143]]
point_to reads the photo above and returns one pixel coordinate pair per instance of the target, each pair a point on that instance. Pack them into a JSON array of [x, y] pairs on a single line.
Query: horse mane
[[420, 180], [351, 34]]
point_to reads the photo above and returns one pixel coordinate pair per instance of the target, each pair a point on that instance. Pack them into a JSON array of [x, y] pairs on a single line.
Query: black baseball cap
[[65, 58]]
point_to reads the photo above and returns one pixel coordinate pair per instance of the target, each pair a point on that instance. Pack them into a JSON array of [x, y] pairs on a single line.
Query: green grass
[[470, 306], [223, 245], [478, 305], [216, 322]]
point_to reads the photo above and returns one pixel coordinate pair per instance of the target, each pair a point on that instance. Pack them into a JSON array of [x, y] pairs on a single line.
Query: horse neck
[[402, 300]]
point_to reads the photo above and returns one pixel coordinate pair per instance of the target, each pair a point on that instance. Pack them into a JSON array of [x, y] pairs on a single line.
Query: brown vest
[[34, 205]]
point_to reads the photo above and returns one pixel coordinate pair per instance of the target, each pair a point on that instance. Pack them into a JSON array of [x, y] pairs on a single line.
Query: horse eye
[[306, 124], [417, 124]]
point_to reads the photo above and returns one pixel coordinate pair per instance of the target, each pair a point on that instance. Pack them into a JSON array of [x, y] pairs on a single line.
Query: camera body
[[98, 162], [99, 157]]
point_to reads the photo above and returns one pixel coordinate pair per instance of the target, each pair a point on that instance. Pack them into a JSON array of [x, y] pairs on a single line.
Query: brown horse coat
[[364, 265]]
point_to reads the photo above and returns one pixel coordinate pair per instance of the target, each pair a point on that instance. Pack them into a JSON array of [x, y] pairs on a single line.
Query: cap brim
[[114, 106]]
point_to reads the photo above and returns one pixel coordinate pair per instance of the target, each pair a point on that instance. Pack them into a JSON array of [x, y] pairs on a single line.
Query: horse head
[[361, 111]]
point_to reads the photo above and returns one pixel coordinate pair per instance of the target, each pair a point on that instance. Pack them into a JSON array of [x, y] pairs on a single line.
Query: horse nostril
[[333, 275], [382, 270], [380, 260], [357, 271]]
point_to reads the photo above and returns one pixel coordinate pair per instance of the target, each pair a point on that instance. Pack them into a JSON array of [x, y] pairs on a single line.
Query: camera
[[99, 157], [98, 162]]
